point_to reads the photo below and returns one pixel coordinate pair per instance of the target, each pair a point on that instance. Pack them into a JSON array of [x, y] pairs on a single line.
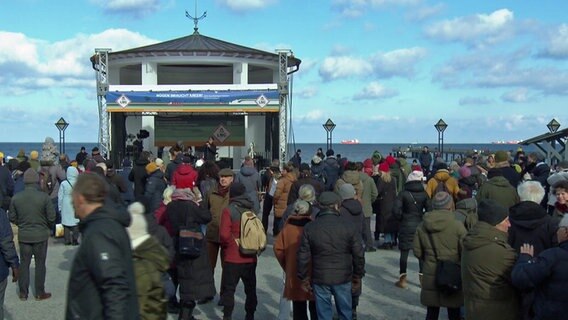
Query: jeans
[[3, 285], [404, 262], [432, 313], [342, 296], [232, 273], [39, 251]]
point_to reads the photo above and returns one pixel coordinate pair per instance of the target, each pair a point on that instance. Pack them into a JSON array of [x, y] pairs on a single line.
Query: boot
[[420, 275], [186, 312], [401, 283], [354, 314]]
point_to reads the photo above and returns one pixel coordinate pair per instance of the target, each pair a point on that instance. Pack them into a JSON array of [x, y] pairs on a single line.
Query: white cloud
[[313, 116], [356, 8], [423, 13], [399, 62], [307, 92], [244, 5], [476, 29], [39, 64], [474, 101], [344, 67], [516, 96], [557, 46], [136, 8], [375, 90]]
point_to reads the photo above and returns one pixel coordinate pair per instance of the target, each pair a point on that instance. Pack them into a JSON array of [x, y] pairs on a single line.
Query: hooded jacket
[[154, 190], [230, 230], [499, 189], [281, 194], [352, 211], [184, 176], [447, 234], [466, 212], [101, 280], [409, 207], [487, 262], [332, 170], [369, 195], [32, 211], [150, 261], [530, 223], [443, 175], [334, 250], [250, 178], [65, 199], [352, 177]]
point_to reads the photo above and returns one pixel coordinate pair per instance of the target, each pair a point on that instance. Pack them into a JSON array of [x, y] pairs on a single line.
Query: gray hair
[[531, 191], [301, 207], [307, 193]]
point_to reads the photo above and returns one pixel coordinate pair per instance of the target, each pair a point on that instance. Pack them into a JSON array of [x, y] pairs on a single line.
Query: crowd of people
[[151, 235]]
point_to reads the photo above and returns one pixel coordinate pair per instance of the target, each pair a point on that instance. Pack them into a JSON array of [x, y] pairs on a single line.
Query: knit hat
[[501, 156], [159, 162], [346, 191], [103, 166], [390, 160], [31, 176], [376, 157], [464, 171], [34, 155], [226, 172], [138, 226], [151, 167], [384, 167], [442, 200], [328, 198], [415, 176], [316, 160], [491, 211], [237, 189], [329, 153]]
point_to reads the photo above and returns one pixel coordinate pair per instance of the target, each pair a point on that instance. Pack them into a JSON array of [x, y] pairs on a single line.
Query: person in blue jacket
[[546, 274]]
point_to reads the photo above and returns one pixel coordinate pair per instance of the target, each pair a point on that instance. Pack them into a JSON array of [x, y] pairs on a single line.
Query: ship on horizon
[[507, 142], [351, 141]]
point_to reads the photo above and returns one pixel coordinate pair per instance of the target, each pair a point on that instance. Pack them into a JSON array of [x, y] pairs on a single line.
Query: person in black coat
[[352, 210], [409, 207], [305, 178], [176, 156], [155, 185], [210, 150], [530, 223], [138, 175], [101, 280], [195, 276], [332, 170], [546, 275]]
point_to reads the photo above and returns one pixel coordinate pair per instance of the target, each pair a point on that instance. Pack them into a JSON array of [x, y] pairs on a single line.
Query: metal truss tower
[[100, 64], [283, 94]]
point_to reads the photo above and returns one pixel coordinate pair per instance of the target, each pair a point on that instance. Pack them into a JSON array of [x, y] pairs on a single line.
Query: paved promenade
[[380, 299]]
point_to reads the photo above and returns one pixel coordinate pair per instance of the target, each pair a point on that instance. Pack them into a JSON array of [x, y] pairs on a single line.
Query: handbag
[[190, 241], [448, 273]]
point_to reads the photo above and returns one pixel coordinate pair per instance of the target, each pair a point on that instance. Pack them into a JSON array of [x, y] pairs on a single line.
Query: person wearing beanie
[[150, 261], [337, 263], [440, 232], [332, 170], [350, 176], [499, 189], [297, 158], [81, 155], [249, 176], [385, 223], [33, 212], [103, 264], [286, 246], [236, 266], [368, 196], [409, 207], [502, 162], [138, 175], [34, 160], [544, 274], [442, 175], [560, 174], [317, 170], [425, 158], [155, 185], [486, 266]]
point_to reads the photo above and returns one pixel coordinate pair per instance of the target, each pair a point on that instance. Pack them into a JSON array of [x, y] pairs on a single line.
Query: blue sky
[[383, 70]]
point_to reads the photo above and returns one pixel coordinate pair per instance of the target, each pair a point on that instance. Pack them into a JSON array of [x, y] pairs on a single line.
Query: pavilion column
[[240, 73]]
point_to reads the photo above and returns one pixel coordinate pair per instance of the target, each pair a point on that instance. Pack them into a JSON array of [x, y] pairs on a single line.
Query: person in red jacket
[[237, 266], [185, 175]]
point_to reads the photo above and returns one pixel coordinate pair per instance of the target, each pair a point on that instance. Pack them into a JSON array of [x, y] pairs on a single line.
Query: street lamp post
[[329, 126], [61, 124], [441, 126]]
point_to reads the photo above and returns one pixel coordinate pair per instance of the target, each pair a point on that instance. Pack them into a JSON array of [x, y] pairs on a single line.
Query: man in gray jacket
[[32, 211]]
